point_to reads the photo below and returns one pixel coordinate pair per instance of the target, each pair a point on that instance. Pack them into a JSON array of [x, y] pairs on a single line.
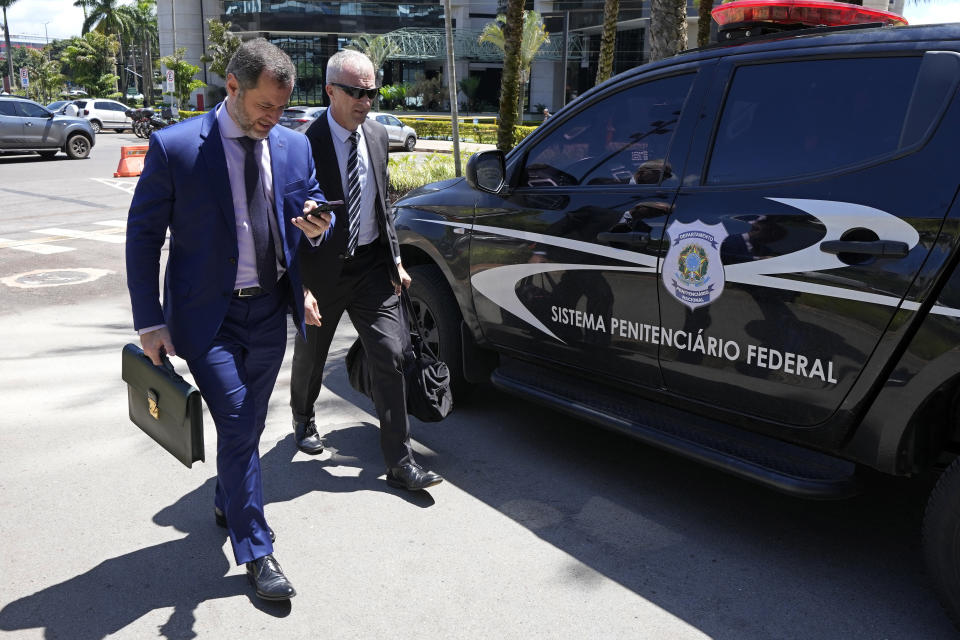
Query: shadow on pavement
[[185, 572]]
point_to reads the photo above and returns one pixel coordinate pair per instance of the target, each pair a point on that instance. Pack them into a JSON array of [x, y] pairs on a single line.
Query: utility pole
[[452, 86]]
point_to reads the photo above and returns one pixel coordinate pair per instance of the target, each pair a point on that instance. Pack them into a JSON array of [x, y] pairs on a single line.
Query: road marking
[[113, 223], [107, 235], [123, 185], [32, 246], [53, 277]]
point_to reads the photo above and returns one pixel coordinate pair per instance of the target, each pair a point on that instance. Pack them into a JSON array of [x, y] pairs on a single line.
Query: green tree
[[107, 17], [668, 28], [611, 10], [141, 23], [184, 82], [222, 45], [45, 78], [529, 34], [377, 48], [6, 36], [91, 59]]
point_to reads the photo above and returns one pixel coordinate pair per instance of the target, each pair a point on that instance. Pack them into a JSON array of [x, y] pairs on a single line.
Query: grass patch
[[416, 169]]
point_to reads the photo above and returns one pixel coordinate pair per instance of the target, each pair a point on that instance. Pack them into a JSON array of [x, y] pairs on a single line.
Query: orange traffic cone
[[131, 161]]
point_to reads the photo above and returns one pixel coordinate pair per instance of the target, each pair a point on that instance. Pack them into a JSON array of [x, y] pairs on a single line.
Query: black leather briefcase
[[164, 405]]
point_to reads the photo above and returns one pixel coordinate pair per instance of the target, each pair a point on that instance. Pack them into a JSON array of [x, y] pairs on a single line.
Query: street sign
[[24, 77], [170, 80]]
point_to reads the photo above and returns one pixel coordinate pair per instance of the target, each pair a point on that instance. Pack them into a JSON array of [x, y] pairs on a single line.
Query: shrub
[[415, 170]]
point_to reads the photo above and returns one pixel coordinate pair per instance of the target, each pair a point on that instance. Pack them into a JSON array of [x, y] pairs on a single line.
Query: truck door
[[809, 206], [564, 265]]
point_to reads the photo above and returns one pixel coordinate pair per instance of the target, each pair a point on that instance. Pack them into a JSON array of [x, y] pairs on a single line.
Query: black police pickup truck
[[746, 254]]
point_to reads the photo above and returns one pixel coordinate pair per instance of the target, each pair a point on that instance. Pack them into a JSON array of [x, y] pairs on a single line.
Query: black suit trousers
[[365, 291]]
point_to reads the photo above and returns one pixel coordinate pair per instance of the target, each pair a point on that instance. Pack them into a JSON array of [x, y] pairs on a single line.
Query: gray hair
[[346, 58], [256, 56]]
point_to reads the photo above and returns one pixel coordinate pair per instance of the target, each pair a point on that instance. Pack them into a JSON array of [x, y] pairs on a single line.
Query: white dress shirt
[[341, 143], [236, 154]]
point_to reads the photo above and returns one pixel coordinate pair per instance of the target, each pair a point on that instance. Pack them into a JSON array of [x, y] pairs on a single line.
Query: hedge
[[479, 133]]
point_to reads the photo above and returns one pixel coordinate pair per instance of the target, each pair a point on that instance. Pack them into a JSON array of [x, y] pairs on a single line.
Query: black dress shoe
[[411, 477], [267, 576], [308, 440], [221, 519]]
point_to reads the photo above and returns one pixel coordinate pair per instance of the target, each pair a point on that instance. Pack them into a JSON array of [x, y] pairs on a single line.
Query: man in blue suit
[[236, 195]]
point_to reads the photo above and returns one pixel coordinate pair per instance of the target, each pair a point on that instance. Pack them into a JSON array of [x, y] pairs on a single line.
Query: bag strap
[[411, 314]]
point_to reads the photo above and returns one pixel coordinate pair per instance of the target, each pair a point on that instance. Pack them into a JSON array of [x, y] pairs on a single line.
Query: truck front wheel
[[941, 540]]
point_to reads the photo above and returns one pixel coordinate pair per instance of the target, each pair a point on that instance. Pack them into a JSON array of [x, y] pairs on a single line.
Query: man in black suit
[[357, 270]]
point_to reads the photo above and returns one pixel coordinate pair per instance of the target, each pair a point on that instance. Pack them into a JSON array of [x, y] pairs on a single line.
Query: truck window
[[788, 119], [618, 140]]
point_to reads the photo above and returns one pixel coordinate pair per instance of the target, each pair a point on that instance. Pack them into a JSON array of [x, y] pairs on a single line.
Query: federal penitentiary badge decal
[[692, 271]]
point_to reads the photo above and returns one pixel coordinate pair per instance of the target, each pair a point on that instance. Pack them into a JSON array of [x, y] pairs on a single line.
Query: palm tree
[[668, 28], [377, 48], [532, 35], [106, 17], [611, 10], [705, 18], [83, 4], [141, 21], [6, 36]]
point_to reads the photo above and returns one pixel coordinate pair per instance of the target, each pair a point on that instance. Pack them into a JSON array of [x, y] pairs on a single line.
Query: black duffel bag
[[427, 379]]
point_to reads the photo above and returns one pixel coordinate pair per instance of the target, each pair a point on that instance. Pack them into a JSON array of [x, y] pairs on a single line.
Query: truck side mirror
[[486, 171]]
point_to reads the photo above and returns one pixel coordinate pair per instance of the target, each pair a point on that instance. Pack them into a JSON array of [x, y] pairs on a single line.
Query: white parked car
[[105, 114], [400, 134]]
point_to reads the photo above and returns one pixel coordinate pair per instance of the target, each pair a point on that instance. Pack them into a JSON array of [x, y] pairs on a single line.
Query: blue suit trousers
[[236, 375]]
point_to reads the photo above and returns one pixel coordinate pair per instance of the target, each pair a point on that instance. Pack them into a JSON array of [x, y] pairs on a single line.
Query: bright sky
[[63, 20]]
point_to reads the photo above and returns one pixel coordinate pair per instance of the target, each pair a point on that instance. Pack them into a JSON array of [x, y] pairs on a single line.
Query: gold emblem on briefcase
[[152, 404]]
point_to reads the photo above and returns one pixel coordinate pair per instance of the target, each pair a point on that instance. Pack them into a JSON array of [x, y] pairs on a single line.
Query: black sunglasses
[[357, 92]]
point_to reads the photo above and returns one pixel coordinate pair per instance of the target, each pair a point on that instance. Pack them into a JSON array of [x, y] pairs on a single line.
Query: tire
[[78, 147], [142, 129], [941, 540], [97, 128], [119, 130], [439, 315], [410, 143], [46, 155]]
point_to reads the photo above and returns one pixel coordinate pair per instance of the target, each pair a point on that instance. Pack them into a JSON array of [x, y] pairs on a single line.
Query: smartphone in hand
[[328, 206]]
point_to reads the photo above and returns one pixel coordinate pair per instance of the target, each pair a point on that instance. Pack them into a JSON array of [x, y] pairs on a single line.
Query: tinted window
[[7, 108], [33, 110], [383, 119], [621, 139], [393, 121], [794, 118]]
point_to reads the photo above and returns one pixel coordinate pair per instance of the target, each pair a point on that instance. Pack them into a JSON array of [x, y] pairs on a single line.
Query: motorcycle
[[146, 121]]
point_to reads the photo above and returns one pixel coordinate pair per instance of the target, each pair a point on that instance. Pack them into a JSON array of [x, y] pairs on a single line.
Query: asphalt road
[[545, 528]]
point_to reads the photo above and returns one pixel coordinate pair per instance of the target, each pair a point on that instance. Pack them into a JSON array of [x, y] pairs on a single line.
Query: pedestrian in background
[[358, 270]]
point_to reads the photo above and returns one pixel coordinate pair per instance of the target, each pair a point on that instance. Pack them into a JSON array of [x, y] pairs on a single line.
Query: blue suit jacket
[[185, 187]]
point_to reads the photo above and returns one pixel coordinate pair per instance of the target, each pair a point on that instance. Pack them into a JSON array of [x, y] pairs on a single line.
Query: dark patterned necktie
[[258, 211], [353, 194]]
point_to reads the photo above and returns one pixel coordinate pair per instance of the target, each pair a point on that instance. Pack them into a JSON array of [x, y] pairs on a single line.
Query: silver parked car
[[300, 118], [400, 134], [25, 126]]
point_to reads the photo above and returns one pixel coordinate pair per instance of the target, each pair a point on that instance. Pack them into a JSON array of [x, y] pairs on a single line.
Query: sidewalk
[[446, 146]]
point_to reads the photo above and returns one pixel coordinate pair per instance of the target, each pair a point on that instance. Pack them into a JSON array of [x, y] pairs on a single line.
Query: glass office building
[[310, 31]]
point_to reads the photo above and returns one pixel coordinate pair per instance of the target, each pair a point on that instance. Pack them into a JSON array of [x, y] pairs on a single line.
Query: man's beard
[[242, 118]]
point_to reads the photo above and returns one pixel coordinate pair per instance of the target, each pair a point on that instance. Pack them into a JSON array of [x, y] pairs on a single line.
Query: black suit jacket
[[321, 267]]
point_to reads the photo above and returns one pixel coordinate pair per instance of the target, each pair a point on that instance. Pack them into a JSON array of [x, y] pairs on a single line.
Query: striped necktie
[[353, 193]]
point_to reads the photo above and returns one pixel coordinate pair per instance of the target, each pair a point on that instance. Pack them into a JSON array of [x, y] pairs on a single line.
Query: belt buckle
[[247, 292]]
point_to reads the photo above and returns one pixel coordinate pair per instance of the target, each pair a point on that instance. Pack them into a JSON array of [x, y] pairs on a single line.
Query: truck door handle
[[625, 237], [884, 248]]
